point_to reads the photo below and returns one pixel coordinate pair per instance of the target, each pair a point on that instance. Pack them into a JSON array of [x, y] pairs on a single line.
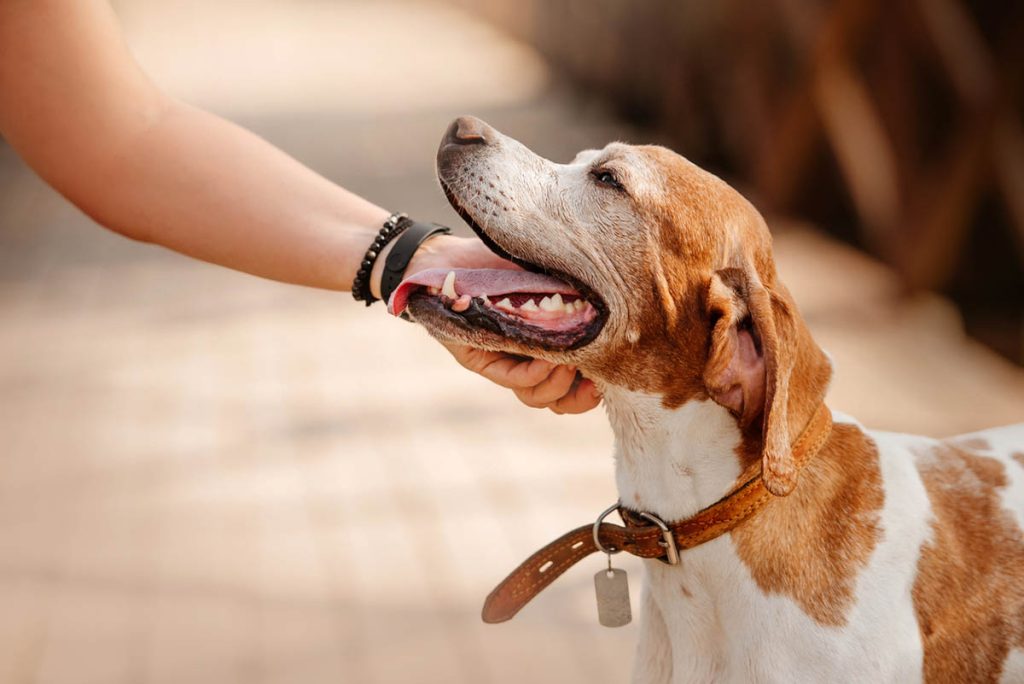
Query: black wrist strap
[[401, 254], [392, 228]]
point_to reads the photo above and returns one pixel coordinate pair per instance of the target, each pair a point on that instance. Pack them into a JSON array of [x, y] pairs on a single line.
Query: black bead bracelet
[[392, 228]]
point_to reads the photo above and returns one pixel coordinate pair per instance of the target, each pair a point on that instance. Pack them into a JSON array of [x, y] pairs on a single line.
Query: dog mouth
[[536, 307]]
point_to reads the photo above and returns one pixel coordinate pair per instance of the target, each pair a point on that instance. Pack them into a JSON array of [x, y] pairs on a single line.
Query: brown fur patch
[[682, 249], [812, 544], [973, 444], [969, 591], [1018, 457]]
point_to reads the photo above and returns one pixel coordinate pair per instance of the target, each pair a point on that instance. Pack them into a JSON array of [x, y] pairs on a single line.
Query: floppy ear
[[757, 339], [735, 372]]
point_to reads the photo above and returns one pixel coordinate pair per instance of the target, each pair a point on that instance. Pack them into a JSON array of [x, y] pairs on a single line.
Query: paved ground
[[200, 466]]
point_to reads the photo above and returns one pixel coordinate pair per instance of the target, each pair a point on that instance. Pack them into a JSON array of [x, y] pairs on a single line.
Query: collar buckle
[[668, 539]]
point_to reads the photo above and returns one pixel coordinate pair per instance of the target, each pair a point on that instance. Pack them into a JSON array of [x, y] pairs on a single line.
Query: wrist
[[378, 269], [392, 228], [396, 260]]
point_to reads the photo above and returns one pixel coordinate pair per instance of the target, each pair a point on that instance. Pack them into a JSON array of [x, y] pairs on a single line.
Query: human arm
[[82, 113], [77, 107]]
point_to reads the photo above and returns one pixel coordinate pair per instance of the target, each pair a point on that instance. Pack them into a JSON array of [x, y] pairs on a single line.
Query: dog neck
[[671, 462]]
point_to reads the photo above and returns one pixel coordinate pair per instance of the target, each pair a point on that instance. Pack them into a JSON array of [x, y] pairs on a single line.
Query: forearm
[[79, 110], [204, 187]]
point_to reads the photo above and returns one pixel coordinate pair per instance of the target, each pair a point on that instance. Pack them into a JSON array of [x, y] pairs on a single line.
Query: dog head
[[642, 269]]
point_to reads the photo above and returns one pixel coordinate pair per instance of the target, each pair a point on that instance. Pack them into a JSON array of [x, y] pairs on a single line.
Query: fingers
[[583, 397], [503, 369], [564, 391], [552, 388], [516, 373], [537, 383]]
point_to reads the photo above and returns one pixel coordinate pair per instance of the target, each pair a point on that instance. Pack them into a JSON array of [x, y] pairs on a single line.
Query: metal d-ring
[[669, 540], [597, 526]]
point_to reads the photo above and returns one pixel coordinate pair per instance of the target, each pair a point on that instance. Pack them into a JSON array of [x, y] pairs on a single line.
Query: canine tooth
[[462, 303], [448, 288], [530, 305], [505, 303]]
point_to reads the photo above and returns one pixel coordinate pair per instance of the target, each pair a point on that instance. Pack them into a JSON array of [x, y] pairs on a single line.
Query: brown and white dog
[[891, 558]]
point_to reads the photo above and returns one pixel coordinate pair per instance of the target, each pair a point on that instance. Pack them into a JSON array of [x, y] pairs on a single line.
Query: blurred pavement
[[200, 465]]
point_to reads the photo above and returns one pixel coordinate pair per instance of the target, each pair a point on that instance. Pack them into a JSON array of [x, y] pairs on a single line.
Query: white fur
[[674, 462], [671, 461], [1013, 668]]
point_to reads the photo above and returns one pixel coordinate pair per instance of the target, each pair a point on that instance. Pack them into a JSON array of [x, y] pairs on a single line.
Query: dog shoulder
[[814, 544]]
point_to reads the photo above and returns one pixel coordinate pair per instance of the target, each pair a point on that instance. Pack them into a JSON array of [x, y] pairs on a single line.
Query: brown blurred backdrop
[[198, 465]]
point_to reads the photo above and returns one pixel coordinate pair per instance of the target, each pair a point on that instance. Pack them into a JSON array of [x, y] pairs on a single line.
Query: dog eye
[[606, 177]]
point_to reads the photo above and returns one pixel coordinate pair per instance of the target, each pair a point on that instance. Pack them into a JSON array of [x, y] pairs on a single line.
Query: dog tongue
[[477, 283]]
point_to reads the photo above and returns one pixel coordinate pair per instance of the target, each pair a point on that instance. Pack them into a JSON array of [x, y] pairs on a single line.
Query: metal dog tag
[[612, 588]]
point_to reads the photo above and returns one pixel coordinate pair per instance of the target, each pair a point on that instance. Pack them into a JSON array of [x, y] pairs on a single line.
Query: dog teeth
[[448, 288], [433, 291], [552, 303], [462, 303]]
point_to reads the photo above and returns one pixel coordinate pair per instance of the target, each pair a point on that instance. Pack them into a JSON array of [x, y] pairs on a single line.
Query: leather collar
[[644, 535]]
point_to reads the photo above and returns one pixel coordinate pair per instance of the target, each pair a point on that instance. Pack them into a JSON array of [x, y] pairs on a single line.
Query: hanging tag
[[612, 587]]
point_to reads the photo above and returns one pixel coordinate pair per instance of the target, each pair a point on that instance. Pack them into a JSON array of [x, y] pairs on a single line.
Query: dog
[[882, 558]]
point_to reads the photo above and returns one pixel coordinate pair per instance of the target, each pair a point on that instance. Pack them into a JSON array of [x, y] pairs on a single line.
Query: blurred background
[[896, 127], [199, 465]]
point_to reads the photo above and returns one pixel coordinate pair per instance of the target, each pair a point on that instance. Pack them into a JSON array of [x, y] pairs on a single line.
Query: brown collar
[[640, 537]]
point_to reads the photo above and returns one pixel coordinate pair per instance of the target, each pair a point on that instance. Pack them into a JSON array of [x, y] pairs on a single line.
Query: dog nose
[[469, 130]]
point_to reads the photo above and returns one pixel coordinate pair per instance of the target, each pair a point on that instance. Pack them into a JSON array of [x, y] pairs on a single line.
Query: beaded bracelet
[[392, 228]]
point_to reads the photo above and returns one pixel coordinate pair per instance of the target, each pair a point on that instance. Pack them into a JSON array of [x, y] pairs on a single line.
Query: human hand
[[450, 251], [537, 383]]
